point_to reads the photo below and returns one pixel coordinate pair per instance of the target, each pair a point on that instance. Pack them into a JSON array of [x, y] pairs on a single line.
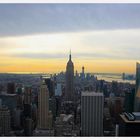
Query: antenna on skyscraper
[[70, 55]]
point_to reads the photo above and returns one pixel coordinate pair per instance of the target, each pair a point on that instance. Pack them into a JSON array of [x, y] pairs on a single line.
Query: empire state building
[[69, 94]]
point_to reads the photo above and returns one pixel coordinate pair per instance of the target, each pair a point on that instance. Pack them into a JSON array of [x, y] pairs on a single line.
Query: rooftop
[[87, 93], [138, 65], [127, 121], [6, 94], [67, 117]]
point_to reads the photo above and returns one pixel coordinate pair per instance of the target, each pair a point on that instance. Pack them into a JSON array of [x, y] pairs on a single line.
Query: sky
[[38, 37]]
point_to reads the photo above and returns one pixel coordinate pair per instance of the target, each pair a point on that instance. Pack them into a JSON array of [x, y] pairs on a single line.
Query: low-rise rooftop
[[87, 93]]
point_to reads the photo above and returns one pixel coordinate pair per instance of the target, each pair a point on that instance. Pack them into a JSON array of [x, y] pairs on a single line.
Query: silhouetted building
[[83, 70], [137, 93], [20, 101], [50, 84], [69, 92], [28, 95], [58, 105], [17, 118], [19, 90], [118, 108], [115, 88], [129, 127], [129, 100], [28, 127], [50, 120], [83, 73], [9, 100], [11, 88], [76, 74], [123, 76], [92, 114], [5, 121], [27, 103], [0, 102], [27, 110], [52, 106], [34, 115]]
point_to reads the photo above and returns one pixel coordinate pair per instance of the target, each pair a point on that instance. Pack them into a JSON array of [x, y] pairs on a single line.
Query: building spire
[[70, 55]]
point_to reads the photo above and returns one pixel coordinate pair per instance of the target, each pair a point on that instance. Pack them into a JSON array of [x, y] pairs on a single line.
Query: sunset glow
[[111, 48]]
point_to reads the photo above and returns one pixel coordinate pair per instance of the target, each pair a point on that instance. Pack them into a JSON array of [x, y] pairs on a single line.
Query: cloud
[[39, 55], [26, 19], [106, 44], [3, 65], [77, 56]]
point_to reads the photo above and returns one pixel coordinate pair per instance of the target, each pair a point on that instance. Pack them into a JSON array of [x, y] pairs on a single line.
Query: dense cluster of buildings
[[68, 104]]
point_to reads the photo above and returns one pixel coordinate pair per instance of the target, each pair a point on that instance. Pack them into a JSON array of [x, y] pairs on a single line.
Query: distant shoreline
[[92, 73], [109, 77]]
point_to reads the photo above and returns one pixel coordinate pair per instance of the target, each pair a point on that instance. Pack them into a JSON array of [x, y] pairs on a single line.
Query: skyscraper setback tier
[[92, 114], [69, 92]]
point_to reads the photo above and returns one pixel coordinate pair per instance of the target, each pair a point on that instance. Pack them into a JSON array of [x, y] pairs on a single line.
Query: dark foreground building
[[128, 127]]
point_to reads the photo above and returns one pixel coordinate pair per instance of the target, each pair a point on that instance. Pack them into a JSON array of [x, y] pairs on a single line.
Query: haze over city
[[38, 37]]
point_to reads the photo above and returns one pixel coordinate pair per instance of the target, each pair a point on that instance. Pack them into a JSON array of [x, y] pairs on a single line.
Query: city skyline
[[102, 37], [69, 70]]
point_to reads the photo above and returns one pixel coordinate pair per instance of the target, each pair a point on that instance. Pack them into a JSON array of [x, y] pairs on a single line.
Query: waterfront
[[113, 77]]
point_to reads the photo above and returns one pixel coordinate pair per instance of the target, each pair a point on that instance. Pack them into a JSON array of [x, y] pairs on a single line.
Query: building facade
[[128, 127], [137, 93], [92, 114], [43, 107], [28, 95], [11, 88], [129, 100], [5, 121]]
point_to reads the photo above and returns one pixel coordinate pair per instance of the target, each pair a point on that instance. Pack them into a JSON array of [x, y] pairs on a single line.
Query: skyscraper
[[11, 88], [92, 114], [28, 127], [129, 126], [5, 121], [83, 73], [58, 89], [69, 95], [83, 70], [43, 106], [28, 95], [137, 93], [129, 100], [50, 84]]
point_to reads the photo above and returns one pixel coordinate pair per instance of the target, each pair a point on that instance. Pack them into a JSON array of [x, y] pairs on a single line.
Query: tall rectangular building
[[137, 93], [129, 100], [5, 121], [92, 114], [11, 88], [43, 107], [27, 101], [28, 95], [50, 84]]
